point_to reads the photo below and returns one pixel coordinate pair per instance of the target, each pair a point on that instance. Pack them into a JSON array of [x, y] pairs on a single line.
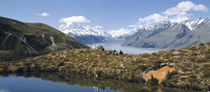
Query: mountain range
[[168, 34], [95, 34], [165, 34], [18, 39]]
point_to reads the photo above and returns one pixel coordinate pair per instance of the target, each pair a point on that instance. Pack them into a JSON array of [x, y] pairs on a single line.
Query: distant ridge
[[172, 35]]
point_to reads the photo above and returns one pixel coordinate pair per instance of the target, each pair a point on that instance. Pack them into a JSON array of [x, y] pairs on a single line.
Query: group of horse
[[113, 52]]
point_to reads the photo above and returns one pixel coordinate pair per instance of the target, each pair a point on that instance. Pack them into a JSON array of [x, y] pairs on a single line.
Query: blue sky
[[111, 14]]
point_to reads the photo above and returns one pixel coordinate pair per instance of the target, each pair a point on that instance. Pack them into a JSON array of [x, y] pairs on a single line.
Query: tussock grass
[[193, 61]]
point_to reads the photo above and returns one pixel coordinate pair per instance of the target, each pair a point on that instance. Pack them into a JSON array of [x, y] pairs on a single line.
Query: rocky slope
[[172, 35], [18, 39], [187, 67]]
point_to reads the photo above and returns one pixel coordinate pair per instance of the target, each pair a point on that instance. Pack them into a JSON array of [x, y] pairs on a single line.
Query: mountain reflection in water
[[77, 82]]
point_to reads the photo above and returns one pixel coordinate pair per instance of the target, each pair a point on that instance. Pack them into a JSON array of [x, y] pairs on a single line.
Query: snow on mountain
[[78, 30], [121, 32], [81, 30], [87, 30], [168, 34], [193, 24]]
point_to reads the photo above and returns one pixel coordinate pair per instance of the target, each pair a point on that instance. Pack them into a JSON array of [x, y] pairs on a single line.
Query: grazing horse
[[114, 52], [121, 53]]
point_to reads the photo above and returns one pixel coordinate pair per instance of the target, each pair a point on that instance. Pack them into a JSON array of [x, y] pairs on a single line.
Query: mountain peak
[[78, 30], [190, 23], [194, 24], [85, 30], [172, 34]]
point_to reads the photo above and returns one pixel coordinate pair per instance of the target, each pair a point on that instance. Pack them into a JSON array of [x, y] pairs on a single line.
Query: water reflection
[[79, 82]]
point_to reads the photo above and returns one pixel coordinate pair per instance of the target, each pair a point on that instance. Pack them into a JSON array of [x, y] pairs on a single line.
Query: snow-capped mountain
[[95, 34], [123, 32], [191, 24], [167, 34], [79, 30], [194, 24]]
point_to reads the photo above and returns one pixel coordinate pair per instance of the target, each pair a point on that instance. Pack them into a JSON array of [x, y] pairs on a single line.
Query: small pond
[[57, 82]]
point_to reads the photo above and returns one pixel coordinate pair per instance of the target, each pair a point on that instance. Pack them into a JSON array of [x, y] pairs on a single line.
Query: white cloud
[[44, 14], [183, 7], [152, 19], [74, 19], [200, 7], [179, 18], [174, 14]]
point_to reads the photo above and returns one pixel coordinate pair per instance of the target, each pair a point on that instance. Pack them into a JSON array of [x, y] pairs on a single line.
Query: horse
[[121, 53]]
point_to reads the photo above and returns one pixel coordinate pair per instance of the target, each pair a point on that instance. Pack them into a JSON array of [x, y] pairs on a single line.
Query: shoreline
[[84, 80]]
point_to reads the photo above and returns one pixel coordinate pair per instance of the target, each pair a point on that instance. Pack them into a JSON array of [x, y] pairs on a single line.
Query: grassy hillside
[[190, 65], [18, 39]]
